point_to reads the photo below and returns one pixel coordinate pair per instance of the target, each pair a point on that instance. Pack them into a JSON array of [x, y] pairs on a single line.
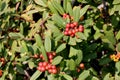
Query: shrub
[[59, 39]]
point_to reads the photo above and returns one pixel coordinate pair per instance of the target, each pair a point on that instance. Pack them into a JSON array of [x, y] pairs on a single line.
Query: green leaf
[[118, 47], [16, 35], [24, 46], [84, 75], [38, 40], [81, 36], [116, 1], [67, 77], [47, 44], [71, 64], [76, 13], [44, 53], [83, 10], [118, 35], [59, 21], [104, 60], [69, 8], [35, 75], [57, 6], [53, 10], [117, 65], [61, 48], [20, 69], [40, 2], [79, 57], [57, 60], [72, 41], [31, 65], [107, 77]]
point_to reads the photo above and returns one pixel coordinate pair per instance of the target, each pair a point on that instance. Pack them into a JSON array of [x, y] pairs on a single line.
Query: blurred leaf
[[24, 46], [118, 47], [84, 75], [38, 40], [31, 65], [67, 77], [59, 21], [57, 6], [71, 64], [61, 48], [83, 10], [57, 60], [69, 8], [51, 7], [72, 41], [76, 13], [107, 77], [118, 35], [104, 60], [81, 36], [116, 1], [41, 3], [39, 43], [47, 44], [35, 75], [79, 57], [117, 66], [15, 35], [20, 69]]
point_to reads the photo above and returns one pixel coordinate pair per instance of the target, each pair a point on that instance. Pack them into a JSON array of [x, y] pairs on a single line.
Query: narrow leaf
[[84, 75], [57, 60], [47, 44], [35, 75], [61, 48]]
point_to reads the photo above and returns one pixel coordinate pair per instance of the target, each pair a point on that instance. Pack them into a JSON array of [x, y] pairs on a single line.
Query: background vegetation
[[59, 40]]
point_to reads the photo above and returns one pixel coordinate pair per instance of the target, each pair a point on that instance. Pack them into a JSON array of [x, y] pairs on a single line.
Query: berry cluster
[[50, 56], [72, 28], [81, 66], [45, 66], [115, 57]]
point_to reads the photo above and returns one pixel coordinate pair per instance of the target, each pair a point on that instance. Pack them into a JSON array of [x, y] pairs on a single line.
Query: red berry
[[82, 66], [50, 70], [67, 25], [81, 28], [67, 29], [50, 56], [54, 71], [54, 53], [50, 60], [41, 56], [73, 31], [45, 64], [49, 66], [69, 32], [53, 67], [72, 25], [76, 30], [75, 24], [42, 69], [65, 33], [72, 35], [40, 64], [38, 68], [35, 56]]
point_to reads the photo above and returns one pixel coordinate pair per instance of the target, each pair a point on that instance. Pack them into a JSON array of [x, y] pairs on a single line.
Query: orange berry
[[82, 66]]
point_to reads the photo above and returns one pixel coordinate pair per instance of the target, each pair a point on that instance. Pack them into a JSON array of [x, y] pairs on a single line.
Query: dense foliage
[[59, 40]]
